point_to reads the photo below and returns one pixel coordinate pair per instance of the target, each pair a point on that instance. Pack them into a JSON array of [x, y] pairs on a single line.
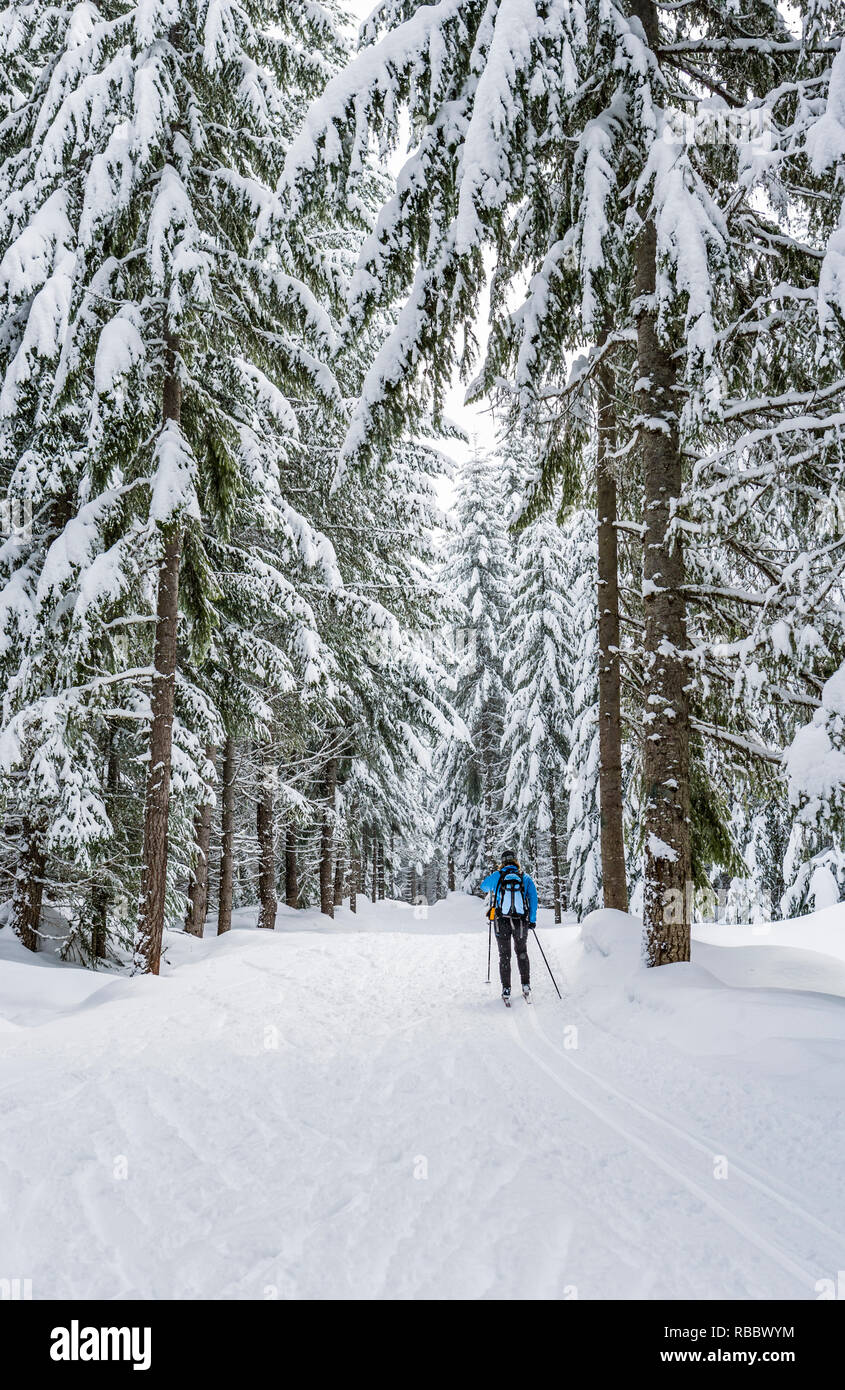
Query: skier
[[514, 913]]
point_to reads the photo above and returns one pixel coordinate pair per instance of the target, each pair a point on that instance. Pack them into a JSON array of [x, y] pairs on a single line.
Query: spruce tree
[[477, 573], [147, 351]]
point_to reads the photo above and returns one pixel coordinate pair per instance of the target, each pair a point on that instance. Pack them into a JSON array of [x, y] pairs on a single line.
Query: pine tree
[[537, 673], [146, 353], [477, 574], [514, 107]]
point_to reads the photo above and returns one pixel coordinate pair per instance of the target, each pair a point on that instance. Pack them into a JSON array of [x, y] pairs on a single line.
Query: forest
[[273, 630]]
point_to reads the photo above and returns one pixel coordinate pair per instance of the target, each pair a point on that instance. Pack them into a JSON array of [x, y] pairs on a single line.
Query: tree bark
[[150, 929], [365, 858], [327, 840], [412, 883], [101, 894], [198, 890], [354, 880], [381, 879], [227, 848], [28, 892], [666, 827], [266, 833], [291, 870], [339, 875], [614, 882], [451, 875], [555, 849]]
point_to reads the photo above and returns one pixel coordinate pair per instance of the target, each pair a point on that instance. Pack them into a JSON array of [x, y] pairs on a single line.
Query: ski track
[[743, 1170], [351, 1113], [746, 1229]]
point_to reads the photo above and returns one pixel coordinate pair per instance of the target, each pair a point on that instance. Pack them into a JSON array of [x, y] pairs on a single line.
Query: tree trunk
[[412, 883], [150, 929], [354, 880], [451, 875], [365, 858], [198, 890], [227, 848], [614, 883], [265, 826], [666, 829], [393, 862], [374, 879], [327, 840], [381, 877], [28, 892], [339, 875], [291, 870], [555, 849], [101, 894]]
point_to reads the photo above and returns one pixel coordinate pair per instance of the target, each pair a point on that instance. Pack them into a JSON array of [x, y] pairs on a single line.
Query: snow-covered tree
[[537, 670], [146, 354], [583, 822], [551, 137], [477, 575]]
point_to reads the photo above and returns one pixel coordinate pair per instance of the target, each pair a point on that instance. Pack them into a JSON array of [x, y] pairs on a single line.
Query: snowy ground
[[348, 1111]]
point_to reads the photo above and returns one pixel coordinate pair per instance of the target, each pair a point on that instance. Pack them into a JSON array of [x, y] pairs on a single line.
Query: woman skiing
[[514, 910]]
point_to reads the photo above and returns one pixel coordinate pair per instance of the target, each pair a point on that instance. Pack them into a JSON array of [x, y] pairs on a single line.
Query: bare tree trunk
[[666, 828], [412, 883], [451, 875], [381, 879], [339, 874], [198, 890], [28, 892], [614, 882], [374, 878], [291, 870], [101, 894], [365, 858], [393, 861], [354, 880], [227, 848], [488, 813], [353, 865], [555, 849], [266, 832], [150, 930], [327, 840]]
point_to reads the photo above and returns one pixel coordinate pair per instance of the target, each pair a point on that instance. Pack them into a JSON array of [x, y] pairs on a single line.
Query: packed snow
[[344, 1109]]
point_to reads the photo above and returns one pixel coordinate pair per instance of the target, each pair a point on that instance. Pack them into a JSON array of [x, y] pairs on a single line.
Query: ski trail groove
[[741, 1169], [767, 1248]]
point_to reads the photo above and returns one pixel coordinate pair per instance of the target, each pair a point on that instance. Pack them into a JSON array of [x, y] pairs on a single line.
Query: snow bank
[[613, 935]]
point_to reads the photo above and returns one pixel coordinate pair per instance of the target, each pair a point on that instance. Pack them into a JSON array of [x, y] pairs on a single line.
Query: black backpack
[[510, 892]]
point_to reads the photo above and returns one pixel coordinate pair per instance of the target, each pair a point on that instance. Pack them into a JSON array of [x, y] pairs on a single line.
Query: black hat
[[508, 856]]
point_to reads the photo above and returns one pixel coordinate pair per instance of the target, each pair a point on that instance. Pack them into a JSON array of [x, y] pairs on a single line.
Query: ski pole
[[533, 927], [489, 943]]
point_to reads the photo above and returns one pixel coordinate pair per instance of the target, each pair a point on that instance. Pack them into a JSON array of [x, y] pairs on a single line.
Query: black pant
[[516, 927]]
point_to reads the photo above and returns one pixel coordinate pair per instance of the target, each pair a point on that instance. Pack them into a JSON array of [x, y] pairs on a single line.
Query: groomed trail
[[346, 1110]]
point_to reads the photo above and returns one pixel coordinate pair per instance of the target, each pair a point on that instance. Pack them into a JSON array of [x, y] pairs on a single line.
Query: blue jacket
[[491, 883]]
